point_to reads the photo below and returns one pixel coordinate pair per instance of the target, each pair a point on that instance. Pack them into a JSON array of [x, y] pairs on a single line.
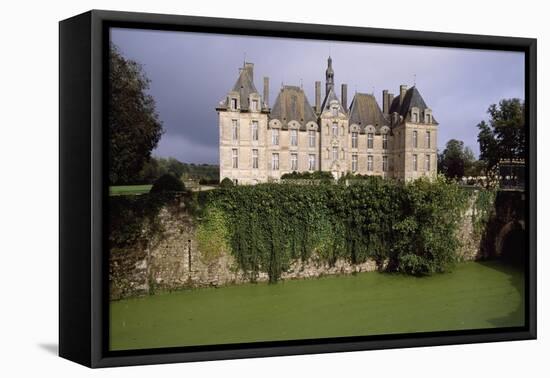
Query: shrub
[[167, 183], [226, 183], [322, 176]]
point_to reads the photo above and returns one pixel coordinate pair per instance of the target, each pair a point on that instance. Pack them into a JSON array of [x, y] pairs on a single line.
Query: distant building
[[260, 144]]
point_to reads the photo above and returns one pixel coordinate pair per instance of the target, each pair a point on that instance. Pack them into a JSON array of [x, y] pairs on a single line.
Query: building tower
[[333, 119], [329, 76]]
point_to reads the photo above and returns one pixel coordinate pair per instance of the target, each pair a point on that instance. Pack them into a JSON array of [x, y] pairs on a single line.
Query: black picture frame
[[83, 260]]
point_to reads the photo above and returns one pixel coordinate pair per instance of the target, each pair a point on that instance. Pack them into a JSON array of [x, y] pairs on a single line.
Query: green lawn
[[124, 190], [475, 295]]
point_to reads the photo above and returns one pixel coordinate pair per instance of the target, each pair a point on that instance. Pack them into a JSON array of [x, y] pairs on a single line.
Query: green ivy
[[410, 226], [483, 209], [212, 235]]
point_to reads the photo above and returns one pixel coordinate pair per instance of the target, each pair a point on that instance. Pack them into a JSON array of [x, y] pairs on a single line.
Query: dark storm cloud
[[190, 73]]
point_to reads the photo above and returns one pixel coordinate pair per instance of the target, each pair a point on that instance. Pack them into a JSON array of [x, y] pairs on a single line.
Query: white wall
[[29, 176]]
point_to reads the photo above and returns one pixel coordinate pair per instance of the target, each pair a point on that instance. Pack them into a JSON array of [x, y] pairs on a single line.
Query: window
[[255, 159], [311, 134], [415, 117], [235, 130], [354, 139], [294, 162], [255, 105], [384, 163], [334, 111], [234, 104], [255, 130], [427, 163], [311, 162], [275, 137], [415, 163], [335, 129], [370, 163], [354, 163], [334, 153], [428, 118], [370, 140], [293, 137], [385, 141], [415, 139], [275, 162], [235, 158], [428, 139]]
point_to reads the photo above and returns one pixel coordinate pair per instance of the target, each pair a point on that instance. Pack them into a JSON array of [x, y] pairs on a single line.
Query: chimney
[[266, 91], [402, 90], [318, 96], [390, 100], [385, 101], [345, 96], [249, 67]]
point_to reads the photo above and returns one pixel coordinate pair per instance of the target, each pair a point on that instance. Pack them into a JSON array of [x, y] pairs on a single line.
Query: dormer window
[[334, 111], [428, 118], [254, 105], [233, 104], [415, 117]]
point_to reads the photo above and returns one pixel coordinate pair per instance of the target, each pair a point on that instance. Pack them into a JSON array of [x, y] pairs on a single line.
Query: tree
[[167, 183], [134, 125], [503, 138], [455, 159]]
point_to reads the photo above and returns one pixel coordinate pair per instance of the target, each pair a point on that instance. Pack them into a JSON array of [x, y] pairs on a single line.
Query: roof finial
[[414, 82], [301, 84], [244, 58], [372, 90]]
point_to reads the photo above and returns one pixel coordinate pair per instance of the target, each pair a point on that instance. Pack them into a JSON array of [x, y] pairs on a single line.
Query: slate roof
[[412, 99], [364, 111], [245, 86], [292, 105]]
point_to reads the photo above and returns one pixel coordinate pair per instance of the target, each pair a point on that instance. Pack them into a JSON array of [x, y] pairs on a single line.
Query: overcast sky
[[191, 72]]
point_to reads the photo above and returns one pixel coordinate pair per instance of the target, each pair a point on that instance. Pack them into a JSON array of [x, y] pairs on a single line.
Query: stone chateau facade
[[260, 144]]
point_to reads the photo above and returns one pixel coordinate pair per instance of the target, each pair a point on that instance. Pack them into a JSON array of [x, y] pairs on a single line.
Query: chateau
[[259, 143]]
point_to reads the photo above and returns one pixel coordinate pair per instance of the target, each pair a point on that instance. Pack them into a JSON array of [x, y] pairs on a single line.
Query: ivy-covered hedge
[[411, 227]]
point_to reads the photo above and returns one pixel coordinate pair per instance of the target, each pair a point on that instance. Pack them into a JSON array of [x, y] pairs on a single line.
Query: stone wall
[[171, 260]]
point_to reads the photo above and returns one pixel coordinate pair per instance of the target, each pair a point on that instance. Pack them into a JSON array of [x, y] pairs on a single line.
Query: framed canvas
[[236, 188]]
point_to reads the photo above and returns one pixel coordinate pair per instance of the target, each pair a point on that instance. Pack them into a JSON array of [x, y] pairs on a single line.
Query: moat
[[475, 295]]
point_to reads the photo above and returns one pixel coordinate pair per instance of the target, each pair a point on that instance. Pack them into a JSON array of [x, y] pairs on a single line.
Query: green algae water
[[475, 295]]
